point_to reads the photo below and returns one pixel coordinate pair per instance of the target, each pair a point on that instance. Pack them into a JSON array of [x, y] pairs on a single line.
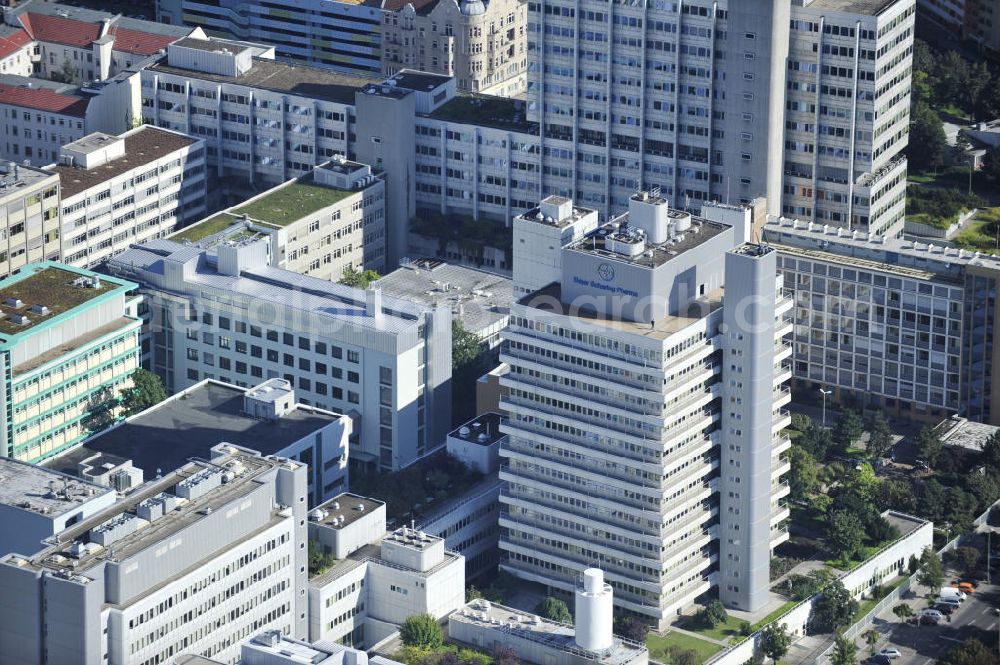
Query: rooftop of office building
[[287, 650], [78, 548], [958, 431], [487, 111], [549, 299], [143, 145], [479, 299], [484, 429], [623, 240], [548, 633], [554, 202], [15, 178], [284, 78], [39, 490], [372, 552], [41, 292], [335, 304], [863, 7], [188, 424], [343, 510]]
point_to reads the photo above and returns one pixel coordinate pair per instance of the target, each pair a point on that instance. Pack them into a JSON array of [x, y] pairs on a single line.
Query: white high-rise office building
[[644, 414], [806, 102]]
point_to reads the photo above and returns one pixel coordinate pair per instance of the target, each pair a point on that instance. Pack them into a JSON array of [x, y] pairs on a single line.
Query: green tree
[[991, 447], [358, 278], [952, 73], [319, 561], [67, 73], [989, 101], [817, 441], [970, 652], [421, 630], [903, 611], [845, 534], [844, 651], [833, 610], [865, 483], [931, 571], [554, 609], [775, 641], [929, 445], [976, 83], [679, 656], [847, 430], [927, 145], [896, 494], [872, 637], [879, 437], [100, 411], [465, 345], [146, 391], [967, 559], [803, 479]]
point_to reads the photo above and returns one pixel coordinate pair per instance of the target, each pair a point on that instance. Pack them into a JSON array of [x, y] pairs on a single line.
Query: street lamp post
[[824, 393]]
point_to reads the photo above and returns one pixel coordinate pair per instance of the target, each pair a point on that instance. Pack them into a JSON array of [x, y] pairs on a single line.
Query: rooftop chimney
[[373, 306]]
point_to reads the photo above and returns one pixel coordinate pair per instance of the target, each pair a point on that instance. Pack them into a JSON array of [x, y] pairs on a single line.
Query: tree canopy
[[833, 610], [421, 630], [358, 278], [146, 391], [775, 641], [554, 609]]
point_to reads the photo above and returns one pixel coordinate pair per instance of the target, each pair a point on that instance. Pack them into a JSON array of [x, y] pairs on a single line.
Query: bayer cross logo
[[606, 272]]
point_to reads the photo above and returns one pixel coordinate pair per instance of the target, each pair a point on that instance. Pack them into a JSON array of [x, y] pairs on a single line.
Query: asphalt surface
[[922, 645]]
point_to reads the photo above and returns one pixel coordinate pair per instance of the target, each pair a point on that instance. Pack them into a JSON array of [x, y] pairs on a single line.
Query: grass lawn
[[866, 551], [941, 223], [729, 628], [976, 236], [291, 203], [774, 615], [205, 228], [658, 644]]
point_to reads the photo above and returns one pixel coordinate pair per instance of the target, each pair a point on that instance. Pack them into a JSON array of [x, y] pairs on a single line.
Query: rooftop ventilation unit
[[199, 484], [16, 303], [41, 310]]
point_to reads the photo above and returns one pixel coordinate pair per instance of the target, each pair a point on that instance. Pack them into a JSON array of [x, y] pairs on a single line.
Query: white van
[[951, 592]]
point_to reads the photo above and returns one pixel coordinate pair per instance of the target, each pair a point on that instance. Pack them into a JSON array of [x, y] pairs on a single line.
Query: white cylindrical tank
[[594, 612]]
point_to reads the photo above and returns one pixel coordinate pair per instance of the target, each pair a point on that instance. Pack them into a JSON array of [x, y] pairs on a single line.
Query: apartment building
[[481, 44], [905, 327], [77, 45], [644, 411], [37, 503], [69, 342], [29, 216], [265, 418], [969, 19], [16, 51], [692, 98], [322, 224], [105, 590], [378, 577], [227, 314], [119, 190]]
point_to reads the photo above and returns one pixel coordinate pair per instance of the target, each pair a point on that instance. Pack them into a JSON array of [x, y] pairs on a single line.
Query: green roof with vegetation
[[499, 112], [291, 203], [207, 227], [49, 286]]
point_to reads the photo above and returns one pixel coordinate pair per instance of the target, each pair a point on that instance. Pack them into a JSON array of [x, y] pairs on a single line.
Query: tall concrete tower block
[[752, 419]]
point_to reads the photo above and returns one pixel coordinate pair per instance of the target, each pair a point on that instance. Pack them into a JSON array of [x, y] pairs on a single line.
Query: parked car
[[945, 608], [931, 613], [922, 620], [891, 652], [974, 583], [879, 659]]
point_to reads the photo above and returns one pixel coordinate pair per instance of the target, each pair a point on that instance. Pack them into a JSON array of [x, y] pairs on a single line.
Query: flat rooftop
[[59, 555], [289, 203], [488, 111], [905, 524], [536, 215], [596, 242], [552, 634], [478, 298], [210, 231], [958, 431], [15, 184], [188, 425], [413, 79], [857, 262], [864, 7], [549, 299], [351, 507], [142, 147], [275, 643], [48, 286], [43, 491], [310, 82], [371, 552], [208, 45], [484, 430]]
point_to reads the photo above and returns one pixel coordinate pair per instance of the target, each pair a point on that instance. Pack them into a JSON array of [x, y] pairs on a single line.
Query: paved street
[[925, 644]]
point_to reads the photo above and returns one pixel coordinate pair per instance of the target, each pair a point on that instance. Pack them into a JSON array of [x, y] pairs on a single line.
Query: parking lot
[[922, 645]]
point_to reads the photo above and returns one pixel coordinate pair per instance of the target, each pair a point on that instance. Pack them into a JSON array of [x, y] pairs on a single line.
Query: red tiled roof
[[43, 99], [12, 42], [59, 30], [138, 42]]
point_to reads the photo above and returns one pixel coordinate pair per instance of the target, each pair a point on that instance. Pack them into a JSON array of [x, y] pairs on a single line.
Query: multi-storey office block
[[226, 313], [29, 216], [119, 190], [902, 326], [623, 442], [321, 224], [69, 342], [192, 564]]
